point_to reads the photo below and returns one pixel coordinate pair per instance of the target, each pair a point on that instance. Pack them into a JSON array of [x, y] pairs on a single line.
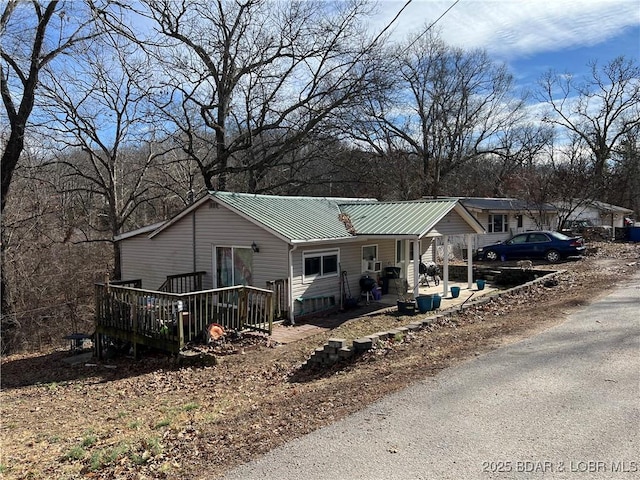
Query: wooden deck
[[168, 321]]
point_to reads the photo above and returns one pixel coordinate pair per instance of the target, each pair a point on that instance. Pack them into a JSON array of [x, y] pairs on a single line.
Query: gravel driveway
[[562, 404]]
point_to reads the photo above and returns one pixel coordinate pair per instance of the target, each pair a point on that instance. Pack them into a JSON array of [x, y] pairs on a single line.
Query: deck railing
[[280, 289], [168, 321], [183, 282]]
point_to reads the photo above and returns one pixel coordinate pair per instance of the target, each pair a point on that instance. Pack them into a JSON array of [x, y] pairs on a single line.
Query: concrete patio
[[388, 303]]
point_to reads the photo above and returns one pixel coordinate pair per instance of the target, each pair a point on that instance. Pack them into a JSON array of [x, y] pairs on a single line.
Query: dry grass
[[152, 419]]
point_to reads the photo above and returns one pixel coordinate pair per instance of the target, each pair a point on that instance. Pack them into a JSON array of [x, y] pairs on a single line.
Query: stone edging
[[336, 349]]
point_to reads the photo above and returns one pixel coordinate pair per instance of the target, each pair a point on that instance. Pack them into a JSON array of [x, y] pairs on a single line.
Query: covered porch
[[386, 304], [422, 231], [447, 300], [417, 284]]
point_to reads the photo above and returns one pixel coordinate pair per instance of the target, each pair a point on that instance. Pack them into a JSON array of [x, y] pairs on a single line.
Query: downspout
[[445, 266], [292, 320], [407, 262]]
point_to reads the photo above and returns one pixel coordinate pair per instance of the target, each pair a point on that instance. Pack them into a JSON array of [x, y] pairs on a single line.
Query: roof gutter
[[324, 240]]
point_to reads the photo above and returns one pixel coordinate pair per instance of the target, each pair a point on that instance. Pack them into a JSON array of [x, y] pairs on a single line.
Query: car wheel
[[552, 256], [491, 255]]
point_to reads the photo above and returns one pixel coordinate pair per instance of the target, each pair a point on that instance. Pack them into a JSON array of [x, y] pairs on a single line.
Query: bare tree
[[601, 109], [517, 152], [51, 274], [563, 178], [625, 182], [33, 34], [101, 109], [261, 77], [444, 105]]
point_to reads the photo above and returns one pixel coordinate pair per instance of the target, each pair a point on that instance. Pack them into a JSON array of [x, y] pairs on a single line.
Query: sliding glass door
[[233, 266]]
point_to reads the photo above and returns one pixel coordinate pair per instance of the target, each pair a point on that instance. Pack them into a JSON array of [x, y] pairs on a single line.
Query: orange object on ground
[[215, 331]]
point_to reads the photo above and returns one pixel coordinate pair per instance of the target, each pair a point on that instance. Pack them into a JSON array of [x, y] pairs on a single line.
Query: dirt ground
[[125, 419]]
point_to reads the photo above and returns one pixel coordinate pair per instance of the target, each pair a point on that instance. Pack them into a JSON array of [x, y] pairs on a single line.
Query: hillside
[[153, 419]]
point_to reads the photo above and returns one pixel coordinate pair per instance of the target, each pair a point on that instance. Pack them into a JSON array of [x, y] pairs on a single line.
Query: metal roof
[[300, 219], [297, 219], [307, 219], [139, 231], [413, 218]]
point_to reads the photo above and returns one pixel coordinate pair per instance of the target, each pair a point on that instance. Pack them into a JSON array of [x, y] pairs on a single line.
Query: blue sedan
[[552, 246]]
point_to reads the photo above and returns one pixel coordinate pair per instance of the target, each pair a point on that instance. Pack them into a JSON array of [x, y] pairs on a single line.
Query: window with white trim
[[320, 264], [498, 224], [370, 261], [400, 252], [370, 252]]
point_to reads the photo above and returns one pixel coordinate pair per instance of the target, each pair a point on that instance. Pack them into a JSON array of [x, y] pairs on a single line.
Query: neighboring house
[[249, 239], [599, 213], [502, 218]]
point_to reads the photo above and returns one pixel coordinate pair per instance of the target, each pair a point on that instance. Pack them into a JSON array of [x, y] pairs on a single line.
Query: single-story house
[[600, 213], [502, 218], [308, 242]]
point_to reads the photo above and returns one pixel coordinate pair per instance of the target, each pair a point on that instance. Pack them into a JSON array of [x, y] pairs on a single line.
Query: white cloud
[[508, 28]]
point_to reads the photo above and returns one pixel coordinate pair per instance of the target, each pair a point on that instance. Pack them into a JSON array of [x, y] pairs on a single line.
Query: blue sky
[[531, 36]]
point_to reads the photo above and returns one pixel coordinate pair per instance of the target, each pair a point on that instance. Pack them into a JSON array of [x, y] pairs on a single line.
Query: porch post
[[407, 262], [469, 262], [445, 266], [416, 268], [181, 315]]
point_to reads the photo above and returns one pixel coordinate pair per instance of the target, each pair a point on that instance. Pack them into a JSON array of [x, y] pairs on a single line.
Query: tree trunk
[[221, 147], [7, 321], [10, 158]]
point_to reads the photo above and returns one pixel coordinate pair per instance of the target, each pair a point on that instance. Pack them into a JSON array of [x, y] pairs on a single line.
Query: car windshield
[[560, 236]]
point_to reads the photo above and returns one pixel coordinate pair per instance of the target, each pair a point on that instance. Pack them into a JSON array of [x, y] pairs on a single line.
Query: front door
[[233, 266], [401, 256]]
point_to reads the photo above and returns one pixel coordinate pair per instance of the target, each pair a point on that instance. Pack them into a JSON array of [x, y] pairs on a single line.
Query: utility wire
[[429, 27], [391, 22]]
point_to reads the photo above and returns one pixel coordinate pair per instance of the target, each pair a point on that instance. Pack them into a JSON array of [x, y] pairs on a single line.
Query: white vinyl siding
[[451, 224], [222, 227], [350, 261], [171, 251], [151, 260], [483, 240]]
